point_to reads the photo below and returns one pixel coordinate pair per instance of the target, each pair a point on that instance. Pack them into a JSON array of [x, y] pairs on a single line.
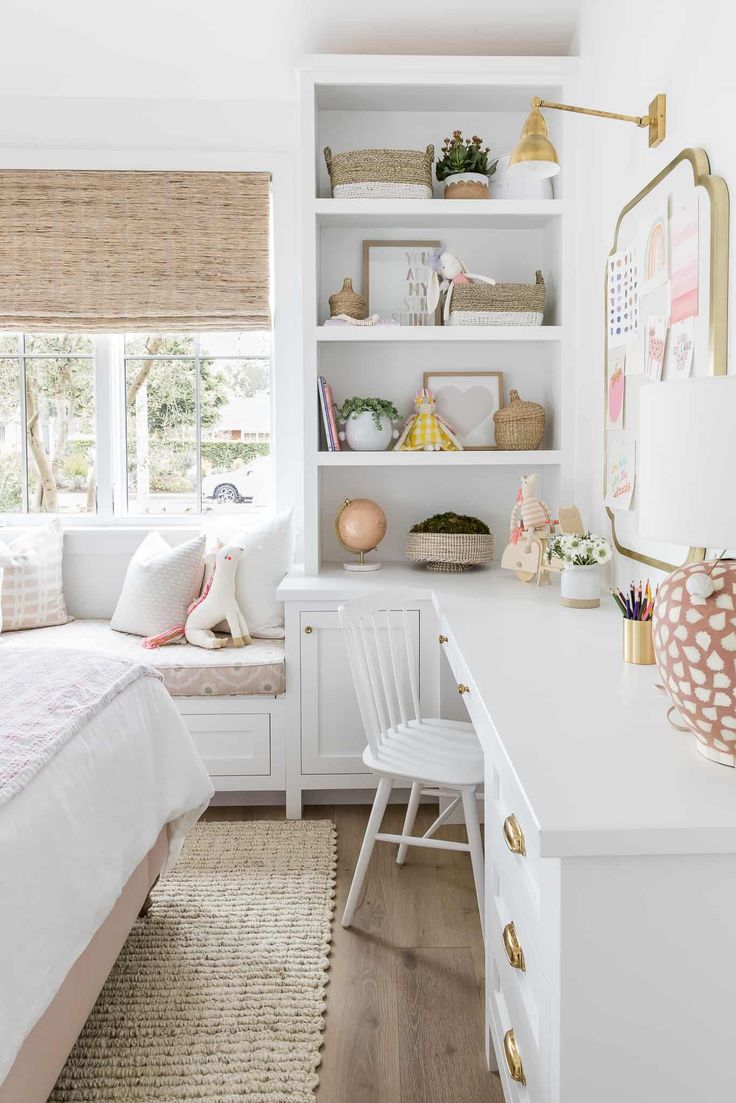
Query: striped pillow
[[32, 593]]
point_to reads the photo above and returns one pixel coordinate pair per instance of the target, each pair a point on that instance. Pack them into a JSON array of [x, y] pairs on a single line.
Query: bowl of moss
[[450, 542]]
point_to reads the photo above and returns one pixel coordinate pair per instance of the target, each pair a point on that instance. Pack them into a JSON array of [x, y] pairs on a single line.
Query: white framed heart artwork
[[467, 400]]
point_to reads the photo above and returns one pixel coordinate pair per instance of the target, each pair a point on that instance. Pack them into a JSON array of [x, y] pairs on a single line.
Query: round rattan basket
[[381, 173], [520, 425], [449, 551], [348, 301]]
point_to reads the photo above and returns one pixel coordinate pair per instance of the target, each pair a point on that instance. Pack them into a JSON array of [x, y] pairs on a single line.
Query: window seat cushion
[[187, 671]]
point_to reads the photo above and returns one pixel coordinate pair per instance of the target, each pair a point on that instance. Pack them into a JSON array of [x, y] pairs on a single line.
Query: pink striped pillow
[[32, 594]]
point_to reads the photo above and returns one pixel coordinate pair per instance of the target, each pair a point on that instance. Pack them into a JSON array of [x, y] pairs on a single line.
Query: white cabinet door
[[333, 739]]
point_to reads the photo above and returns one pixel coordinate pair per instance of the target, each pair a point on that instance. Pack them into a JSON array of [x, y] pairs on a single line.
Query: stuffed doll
[[448, 270], [216, 603], [530, 514], [425, 430]]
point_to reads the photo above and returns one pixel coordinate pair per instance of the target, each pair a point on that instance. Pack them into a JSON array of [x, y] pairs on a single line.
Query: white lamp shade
[[687, 462]]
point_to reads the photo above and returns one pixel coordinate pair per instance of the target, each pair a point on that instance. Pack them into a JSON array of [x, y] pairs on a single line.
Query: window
[[136, 425]]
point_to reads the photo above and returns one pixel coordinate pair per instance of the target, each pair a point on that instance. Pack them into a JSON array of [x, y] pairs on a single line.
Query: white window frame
[[286, 373]]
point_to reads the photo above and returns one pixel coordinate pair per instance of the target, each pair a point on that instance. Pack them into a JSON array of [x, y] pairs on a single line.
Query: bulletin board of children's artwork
[[666, 319]]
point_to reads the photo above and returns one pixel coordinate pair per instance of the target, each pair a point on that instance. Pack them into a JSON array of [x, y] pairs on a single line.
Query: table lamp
[[687, 461]]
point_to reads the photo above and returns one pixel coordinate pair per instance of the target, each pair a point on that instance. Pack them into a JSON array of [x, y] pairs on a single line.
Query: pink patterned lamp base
[[695, 646]]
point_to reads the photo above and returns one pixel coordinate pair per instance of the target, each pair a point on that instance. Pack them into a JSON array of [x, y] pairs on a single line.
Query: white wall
[[629, 52]]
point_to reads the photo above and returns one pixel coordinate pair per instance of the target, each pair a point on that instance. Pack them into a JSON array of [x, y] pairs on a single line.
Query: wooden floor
[[404, 1017]]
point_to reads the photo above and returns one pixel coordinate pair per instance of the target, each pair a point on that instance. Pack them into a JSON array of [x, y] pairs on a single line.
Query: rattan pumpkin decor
[[520, 425], [450, 542]]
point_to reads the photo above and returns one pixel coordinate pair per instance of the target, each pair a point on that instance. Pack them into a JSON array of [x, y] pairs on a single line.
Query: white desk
[[625, 901]]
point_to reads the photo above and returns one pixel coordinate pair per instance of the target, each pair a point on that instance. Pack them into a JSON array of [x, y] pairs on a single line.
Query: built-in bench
[[187, 671]]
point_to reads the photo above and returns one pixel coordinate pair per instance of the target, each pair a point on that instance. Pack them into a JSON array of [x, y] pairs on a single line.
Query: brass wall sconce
[[538, 156]]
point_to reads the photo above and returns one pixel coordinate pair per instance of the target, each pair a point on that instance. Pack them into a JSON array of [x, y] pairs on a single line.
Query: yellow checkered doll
[[425, 430]]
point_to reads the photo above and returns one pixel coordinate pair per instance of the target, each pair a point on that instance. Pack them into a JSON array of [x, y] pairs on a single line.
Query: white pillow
[[160, 584], [32, 588], [268, 552]]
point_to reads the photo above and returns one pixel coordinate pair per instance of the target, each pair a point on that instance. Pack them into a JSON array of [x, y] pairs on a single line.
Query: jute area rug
[[219, 993]]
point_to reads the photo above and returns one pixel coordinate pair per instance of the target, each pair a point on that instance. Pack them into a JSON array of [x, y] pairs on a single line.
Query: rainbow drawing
[[655, 253]]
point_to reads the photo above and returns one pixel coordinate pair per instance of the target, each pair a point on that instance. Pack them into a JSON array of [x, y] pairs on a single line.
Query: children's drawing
[[653, 249], [684, 261], [615, 388], [680, 347], [623, 296], [620, 470], [656, 336]]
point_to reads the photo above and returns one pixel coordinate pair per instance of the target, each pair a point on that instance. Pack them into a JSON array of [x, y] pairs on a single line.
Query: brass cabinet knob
[[513, 1058], [443, 639], [513, 835], [462, 689], [512, 948], [308, 630]]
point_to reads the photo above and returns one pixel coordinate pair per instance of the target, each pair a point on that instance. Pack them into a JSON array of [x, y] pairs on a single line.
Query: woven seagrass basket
[[381, 173], [520, 425], [348, 301], [498, 304], [449, 551]]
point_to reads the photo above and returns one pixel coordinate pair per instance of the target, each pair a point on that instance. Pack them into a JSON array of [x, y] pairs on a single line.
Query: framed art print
[[396, 277], [467, 400]]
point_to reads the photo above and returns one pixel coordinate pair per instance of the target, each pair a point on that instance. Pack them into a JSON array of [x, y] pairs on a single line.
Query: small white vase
[[466, 185], [362, 435], [580, 587]]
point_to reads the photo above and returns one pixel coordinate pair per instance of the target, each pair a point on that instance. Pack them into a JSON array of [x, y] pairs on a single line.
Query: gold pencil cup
[[638, 644]]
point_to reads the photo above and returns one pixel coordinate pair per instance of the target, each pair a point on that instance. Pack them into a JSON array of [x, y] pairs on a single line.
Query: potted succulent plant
[[369, 423], [463, 165], [581, 558], [450, 542]]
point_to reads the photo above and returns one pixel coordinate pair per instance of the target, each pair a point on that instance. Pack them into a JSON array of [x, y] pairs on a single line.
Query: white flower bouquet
[[579, 551]]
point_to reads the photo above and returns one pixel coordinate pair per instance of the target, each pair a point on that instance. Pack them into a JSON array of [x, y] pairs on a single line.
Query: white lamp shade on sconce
[[687, 462]]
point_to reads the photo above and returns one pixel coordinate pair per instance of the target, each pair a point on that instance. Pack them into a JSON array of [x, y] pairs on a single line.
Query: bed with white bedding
[[122, 789]]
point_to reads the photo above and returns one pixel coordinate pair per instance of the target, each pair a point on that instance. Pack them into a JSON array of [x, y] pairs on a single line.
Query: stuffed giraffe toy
[[217, 603], [530, 513]]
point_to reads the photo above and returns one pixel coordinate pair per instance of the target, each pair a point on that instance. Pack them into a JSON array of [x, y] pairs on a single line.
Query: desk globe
[[360, 526]]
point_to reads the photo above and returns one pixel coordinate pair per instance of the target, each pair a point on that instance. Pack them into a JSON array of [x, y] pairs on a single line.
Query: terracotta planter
[[467, 185]]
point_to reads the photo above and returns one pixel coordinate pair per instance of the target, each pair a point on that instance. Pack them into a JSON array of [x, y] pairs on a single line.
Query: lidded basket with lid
[[520, 425]]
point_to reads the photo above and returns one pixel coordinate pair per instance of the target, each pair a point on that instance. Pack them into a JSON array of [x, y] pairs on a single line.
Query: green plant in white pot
[[369, 423], [464, 168], [581, 557]]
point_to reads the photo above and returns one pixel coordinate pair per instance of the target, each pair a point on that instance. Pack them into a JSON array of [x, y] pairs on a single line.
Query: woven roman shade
[[122, 251]]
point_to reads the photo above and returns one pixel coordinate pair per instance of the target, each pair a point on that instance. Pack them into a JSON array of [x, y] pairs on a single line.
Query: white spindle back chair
[[436, 756]]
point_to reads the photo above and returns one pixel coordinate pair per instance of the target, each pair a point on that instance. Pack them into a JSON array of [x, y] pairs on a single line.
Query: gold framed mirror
[[685, 183]]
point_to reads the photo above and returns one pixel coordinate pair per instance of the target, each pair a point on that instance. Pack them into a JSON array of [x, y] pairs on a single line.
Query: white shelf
[[541, 458], [505, 214], [438, 333]]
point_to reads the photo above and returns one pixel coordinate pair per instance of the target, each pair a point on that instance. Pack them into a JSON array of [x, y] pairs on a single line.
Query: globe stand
[[361, 565]]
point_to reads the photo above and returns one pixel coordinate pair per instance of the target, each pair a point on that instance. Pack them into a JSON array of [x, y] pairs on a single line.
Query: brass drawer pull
[[462, 689], [512, 1058], [443, 639], [513, 835], [512, 948], [308, 630]]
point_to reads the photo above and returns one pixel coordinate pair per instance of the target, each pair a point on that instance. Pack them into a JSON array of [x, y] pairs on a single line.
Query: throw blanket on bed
[[45, 699]]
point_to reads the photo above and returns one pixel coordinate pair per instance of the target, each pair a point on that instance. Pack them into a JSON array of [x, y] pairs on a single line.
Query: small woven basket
[[520, 425], [348, 301], [449, 551], [498, 304], [381, 173]]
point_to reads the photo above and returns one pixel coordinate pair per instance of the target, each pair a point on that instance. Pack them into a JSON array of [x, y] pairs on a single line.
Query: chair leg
[[369, 840], [411, 815], [472, 824]]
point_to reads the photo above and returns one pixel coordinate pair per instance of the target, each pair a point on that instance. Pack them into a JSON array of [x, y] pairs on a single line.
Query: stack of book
[[329, 438]]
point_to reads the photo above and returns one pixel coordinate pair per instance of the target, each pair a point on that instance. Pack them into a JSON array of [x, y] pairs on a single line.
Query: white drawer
[[502, 1018], [513, 942], [232, 743]]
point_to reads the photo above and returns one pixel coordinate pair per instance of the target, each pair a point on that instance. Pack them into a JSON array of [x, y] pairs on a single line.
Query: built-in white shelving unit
[[410, 102]]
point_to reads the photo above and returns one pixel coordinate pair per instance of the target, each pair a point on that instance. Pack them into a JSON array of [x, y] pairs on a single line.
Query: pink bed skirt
[[47, 1047]]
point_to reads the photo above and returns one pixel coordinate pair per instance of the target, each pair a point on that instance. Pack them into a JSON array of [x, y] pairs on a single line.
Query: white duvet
[[72, 838]]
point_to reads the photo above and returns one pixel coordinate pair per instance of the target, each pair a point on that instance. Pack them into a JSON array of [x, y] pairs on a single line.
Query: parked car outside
[[250, 483]]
